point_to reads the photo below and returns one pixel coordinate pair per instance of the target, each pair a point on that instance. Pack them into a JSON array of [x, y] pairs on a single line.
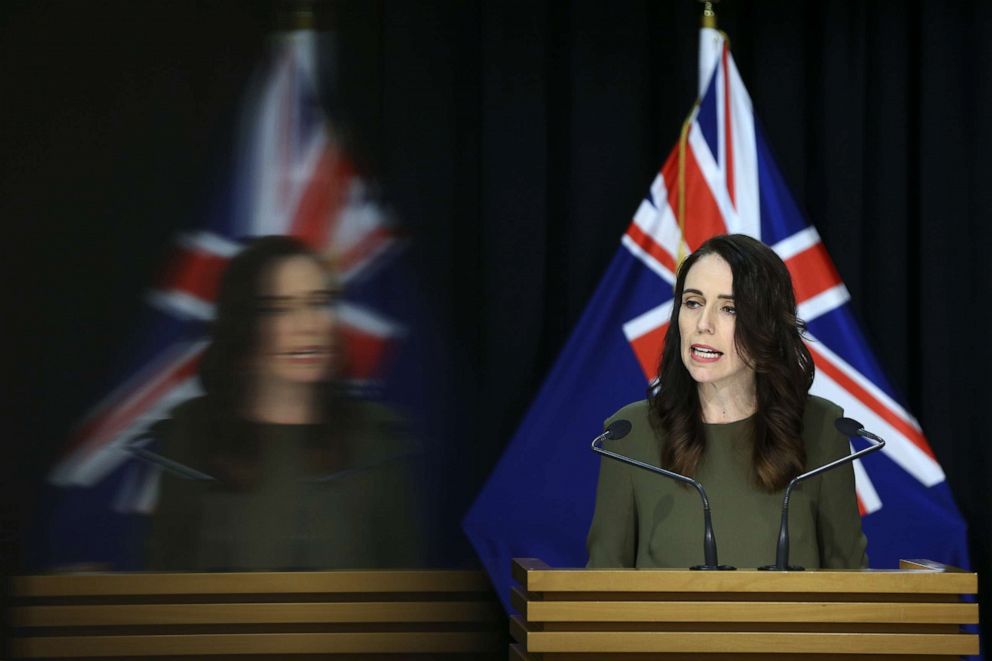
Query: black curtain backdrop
[[515, 140]]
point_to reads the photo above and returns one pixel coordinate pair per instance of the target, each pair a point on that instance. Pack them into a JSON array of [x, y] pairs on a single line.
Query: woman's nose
[[704, 322], [309, 318]]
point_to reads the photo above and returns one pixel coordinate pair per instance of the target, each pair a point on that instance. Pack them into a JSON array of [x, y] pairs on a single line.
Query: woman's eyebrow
[[274, 298], [699, 293]]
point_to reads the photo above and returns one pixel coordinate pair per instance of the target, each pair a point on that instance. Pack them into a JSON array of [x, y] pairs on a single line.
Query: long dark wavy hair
[[226, 369], [769, 336]]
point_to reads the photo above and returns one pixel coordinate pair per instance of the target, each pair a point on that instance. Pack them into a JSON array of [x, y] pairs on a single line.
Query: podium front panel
[[916, 612]]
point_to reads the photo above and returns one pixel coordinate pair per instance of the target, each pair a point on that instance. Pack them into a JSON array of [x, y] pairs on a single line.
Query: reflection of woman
[[303, 476], [733, 411]]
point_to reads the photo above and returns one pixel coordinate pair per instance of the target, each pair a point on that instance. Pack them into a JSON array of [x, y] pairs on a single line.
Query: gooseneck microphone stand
[[847, 427], [621, 428]]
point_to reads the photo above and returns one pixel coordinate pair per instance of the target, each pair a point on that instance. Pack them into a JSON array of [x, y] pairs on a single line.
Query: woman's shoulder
[[180, 433], [190, 414], [821, 412], [377, 432], [634, 412], [193, 409], [642, 432], [821, 436]]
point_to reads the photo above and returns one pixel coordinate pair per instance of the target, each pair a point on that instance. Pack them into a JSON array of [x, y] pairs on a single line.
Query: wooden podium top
[[206, 583], [915, 577]]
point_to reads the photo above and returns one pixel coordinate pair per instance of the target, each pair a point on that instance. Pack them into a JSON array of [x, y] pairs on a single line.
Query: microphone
[[847, 427], [620, 428], [351, 470], [614, 432]]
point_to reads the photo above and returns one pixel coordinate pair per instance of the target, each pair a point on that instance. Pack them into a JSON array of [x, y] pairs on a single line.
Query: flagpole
[[708, 20]]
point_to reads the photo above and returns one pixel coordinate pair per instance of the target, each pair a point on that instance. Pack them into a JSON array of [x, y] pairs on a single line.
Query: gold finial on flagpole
[[302, 16], [293, 15], [709, 14]]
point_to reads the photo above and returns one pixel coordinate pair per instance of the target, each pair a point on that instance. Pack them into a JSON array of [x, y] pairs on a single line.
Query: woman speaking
[[734, 412]]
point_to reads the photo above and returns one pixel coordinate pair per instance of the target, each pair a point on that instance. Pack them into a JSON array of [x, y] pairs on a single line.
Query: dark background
[[515, 140]]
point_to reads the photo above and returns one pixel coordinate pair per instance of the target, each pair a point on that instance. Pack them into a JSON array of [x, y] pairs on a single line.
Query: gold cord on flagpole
[[683, 141], [708, 21]]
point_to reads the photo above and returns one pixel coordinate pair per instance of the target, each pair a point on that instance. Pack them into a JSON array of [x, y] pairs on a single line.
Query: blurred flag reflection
[[292, 177]]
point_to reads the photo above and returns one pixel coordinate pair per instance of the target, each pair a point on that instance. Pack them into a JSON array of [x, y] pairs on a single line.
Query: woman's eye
[[691, 304], [730, 309]]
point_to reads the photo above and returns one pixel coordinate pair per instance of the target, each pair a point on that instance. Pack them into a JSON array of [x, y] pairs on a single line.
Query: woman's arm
[[838, 525], [612, 540]]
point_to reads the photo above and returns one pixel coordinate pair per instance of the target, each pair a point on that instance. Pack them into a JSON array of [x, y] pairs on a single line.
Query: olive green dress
[[365, 513], [647, 520]]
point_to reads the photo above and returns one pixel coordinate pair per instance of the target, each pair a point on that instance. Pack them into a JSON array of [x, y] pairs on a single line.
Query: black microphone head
[[618, 429], [848, 426]]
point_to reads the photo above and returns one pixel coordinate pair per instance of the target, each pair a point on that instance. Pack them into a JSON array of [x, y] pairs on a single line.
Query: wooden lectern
[[295, 615], [914, 612]]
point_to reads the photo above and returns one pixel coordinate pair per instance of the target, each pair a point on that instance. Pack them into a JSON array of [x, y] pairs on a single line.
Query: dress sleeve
[[612, 540], [401, 517], [841, 540], [398, 537], [171, 542]]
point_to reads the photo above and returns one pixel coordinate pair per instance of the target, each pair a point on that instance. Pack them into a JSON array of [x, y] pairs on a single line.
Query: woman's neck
[[722, 405], [284, 403]]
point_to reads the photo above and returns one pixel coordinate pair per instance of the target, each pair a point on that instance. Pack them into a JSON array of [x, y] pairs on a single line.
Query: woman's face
[[297, 338], [707, 319]]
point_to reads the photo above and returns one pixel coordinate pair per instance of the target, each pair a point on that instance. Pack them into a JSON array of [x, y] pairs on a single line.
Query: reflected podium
[[298, 615]]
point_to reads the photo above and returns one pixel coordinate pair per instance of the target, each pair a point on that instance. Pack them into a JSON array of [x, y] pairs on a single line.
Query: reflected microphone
[[168, 465], [620, 428], [847, 427]]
